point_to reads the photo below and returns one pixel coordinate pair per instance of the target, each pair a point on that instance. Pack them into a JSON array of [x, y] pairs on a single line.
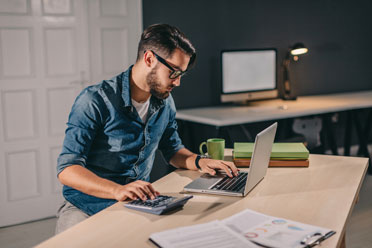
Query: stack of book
[[282, 154]]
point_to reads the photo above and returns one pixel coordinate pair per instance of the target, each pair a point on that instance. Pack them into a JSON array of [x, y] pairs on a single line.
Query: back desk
[[272, 110], [268, 110]]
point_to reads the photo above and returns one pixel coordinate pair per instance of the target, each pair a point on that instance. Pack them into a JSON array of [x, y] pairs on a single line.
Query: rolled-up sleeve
[[83, 122], [170, 142]]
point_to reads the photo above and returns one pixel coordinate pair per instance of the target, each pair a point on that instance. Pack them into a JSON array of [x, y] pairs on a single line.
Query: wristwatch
[[198, 157]]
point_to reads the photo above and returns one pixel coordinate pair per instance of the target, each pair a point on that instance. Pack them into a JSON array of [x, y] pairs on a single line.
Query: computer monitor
[[249, 75]]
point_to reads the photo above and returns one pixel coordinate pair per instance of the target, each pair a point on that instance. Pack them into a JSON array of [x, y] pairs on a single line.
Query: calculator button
[[159, 205]]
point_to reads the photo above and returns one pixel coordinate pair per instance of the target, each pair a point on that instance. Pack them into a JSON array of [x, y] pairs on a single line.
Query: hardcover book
[[279, 151]]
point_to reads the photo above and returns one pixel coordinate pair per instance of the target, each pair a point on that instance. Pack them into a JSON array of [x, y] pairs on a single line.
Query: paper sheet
[[240, 230], [245, 220], [271, 231], [209, 235], [283, 233]]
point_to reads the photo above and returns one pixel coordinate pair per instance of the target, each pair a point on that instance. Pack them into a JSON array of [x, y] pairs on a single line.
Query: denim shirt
[[106, 135]]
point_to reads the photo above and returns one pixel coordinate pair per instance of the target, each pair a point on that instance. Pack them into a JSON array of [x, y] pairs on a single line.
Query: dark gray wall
[[338, 34]]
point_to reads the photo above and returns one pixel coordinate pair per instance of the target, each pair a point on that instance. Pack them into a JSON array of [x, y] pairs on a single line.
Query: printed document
[[245, 229], [209, 235]]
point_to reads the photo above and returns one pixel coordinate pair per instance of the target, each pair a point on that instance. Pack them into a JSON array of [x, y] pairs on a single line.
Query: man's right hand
[[82, 179], [137, 189]]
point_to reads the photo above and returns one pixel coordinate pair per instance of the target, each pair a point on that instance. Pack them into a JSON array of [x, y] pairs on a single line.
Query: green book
[[279, 151]]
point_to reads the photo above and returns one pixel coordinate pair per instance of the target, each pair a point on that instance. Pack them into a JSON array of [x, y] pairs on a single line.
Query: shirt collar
[[155, 102]]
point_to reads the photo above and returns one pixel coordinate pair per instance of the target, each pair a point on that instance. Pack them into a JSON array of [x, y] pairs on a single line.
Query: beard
[[155, 86]]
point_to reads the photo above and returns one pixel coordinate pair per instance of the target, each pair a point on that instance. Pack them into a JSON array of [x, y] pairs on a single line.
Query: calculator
[[161, 204]]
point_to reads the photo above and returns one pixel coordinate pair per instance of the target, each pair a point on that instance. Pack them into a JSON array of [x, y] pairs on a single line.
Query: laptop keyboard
[[232, 183]]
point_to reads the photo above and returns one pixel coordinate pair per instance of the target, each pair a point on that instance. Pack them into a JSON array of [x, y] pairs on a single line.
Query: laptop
[[242, 184]]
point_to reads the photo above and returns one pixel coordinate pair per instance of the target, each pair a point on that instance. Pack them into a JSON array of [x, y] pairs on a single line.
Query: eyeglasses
[[175, 73]]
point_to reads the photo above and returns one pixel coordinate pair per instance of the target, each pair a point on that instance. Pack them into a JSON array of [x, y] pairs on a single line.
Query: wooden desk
[[323, 194]]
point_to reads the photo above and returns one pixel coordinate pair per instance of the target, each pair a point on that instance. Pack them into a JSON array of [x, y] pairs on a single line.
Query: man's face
[[158, 79]]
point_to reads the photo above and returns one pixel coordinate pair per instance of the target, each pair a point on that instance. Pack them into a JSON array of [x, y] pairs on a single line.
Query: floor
[[27, 235], [358, 229]]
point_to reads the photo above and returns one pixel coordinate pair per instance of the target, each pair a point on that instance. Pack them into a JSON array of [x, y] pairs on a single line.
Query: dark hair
[[163, 39]]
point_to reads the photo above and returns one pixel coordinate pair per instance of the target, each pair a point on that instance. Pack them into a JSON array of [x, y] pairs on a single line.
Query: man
[[115, 127]]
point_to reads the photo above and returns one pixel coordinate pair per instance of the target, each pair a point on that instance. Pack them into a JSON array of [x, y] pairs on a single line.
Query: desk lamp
[[292, 54]]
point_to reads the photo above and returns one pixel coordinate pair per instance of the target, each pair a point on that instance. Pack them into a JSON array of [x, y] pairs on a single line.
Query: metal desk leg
[[246, 133], [348, 130], [327, 123], [322, 148], [218, 132]]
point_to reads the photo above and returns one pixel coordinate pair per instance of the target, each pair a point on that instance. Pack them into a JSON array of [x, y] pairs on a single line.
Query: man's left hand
[[210, 165]]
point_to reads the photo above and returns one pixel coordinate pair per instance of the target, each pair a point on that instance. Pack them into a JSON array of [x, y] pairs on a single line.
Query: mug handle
[[201, 147]]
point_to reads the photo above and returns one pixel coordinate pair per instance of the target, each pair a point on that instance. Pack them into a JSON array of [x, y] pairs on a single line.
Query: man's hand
[[185, 159], [137, 189], [210, 165]]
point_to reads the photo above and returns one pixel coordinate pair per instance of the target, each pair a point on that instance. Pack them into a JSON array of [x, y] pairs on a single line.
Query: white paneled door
[[115, 28], [49, 50]]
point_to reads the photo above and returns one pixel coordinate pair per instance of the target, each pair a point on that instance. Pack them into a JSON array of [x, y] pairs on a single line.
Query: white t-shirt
[[142, 109]]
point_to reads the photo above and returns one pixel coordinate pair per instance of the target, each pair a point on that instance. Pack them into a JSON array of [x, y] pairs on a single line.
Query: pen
[[326, 236], [322, 238]]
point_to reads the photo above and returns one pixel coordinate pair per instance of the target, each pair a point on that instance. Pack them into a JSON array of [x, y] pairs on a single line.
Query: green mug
[[215, 148]]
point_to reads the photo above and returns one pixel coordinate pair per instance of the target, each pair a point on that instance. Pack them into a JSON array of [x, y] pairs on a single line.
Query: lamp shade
[[298, 49]]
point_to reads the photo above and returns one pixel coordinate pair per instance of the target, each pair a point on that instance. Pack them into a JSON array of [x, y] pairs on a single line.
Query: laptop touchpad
[[204, 182]]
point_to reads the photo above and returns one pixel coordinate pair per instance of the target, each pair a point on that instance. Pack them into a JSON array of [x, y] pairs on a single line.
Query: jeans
[[87, 203], [68, 215]]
